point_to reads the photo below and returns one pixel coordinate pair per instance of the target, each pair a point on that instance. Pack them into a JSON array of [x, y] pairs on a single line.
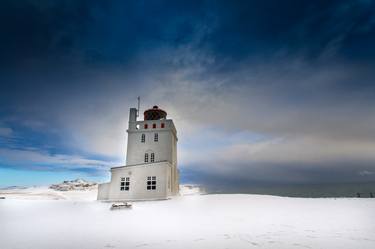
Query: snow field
[[192, 221]]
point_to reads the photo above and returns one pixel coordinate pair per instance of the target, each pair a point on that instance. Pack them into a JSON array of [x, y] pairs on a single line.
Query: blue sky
[[260, 91]]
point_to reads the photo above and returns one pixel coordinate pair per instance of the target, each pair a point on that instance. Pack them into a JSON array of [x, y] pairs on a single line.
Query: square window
[[151, 185], [125, 184]]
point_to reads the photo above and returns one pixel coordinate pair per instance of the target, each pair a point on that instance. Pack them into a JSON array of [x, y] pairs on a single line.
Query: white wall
[[163, 149], [138, 182]]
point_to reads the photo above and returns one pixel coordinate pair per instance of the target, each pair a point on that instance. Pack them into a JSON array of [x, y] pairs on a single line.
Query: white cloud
[[40, 160]]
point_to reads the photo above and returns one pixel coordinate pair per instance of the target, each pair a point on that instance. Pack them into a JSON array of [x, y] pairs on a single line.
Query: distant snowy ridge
[[77, 184], [78, 190], [13, 187]]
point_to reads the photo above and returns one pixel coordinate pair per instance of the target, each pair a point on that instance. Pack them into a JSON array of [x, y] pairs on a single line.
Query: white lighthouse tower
[[151, 160]]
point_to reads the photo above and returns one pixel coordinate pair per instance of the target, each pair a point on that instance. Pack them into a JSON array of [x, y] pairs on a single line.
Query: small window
[[143, 138], [156, 137], [146, 158], [125, 184], [151, 182], [146, 126], [152, 157], [153, 126], [162, 125]]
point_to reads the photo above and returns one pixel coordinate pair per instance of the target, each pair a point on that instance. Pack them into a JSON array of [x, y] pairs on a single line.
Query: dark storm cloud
[[309, 28], [91, 31], [114, 32], [297, 74]]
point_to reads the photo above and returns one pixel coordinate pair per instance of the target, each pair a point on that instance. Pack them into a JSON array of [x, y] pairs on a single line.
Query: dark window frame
[[151, 183], [125, 184]]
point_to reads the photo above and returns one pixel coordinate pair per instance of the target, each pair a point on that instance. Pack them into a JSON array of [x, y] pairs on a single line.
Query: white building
[[151, 161]]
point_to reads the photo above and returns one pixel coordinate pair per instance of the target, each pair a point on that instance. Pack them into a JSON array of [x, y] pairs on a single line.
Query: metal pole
[[139, 103]]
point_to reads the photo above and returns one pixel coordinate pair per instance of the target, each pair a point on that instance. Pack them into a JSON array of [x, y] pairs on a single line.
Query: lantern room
[[155, 114]]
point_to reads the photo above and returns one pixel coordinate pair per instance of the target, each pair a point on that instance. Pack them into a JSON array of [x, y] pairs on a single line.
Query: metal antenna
[[139, 103]]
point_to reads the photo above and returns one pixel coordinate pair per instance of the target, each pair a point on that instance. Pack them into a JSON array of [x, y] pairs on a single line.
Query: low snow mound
[[47, 193], [190, 189], [78, 184], [233, 221]]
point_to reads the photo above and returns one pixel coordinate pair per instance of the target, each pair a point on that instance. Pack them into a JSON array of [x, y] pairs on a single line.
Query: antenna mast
[[139, 103]]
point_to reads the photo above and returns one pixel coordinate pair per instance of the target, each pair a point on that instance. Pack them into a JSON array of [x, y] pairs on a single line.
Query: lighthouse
[[151, 170]]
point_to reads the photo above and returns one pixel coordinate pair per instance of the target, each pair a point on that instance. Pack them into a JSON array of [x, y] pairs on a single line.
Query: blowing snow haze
[[262, 93]]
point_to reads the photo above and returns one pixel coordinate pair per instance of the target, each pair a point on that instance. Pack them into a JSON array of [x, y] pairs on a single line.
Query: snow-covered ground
[[43, 218]]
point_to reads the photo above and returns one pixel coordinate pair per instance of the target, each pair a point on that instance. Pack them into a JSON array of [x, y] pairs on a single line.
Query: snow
[[46, 193], [73, 219]]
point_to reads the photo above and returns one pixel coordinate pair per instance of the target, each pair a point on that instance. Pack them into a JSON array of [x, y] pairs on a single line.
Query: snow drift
[[189, 221]]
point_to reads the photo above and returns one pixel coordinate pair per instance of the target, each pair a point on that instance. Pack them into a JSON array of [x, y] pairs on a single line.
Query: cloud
[[34, 159], [254, 91]]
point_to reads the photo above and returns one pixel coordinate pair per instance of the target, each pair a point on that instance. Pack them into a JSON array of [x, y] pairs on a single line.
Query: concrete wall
[[138, 182], [163, 149]]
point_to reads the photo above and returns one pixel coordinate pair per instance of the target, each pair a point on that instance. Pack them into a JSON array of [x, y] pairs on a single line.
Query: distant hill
[[77, 184]]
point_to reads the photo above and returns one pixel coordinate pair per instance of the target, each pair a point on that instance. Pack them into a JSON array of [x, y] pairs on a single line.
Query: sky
[[261, 92]]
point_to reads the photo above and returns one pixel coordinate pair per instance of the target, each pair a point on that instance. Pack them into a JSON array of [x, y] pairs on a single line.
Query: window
[[146, 158], [152, 157], [162, 125], [143, 138], [151, 182], [146, 126], [153, 126], [125, 184], [156, 137]]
